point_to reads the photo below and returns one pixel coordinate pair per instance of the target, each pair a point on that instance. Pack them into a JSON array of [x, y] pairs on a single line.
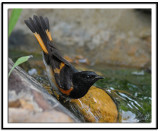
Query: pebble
[[32, 72]]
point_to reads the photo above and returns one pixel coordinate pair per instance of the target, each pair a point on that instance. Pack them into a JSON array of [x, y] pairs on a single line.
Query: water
[[131, 92]]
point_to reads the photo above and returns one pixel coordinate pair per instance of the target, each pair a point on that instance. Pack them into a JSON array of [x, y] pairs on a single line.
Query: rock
[[24, 115], [96, 106], [32, 72], [30, 102]]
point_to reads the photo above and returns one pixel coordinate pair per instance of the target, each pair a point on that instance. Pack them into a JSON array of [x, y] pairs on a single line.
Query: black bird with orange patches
[[63, 76]]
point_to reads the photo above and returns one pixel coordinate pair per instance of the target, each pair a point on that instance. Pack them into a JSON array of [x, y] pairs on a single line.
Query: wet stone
[[96, 106]]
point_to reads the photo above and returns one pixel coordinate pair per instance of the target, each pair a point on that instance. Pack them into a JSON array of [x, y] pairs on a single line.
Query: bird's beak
[[99, 77]]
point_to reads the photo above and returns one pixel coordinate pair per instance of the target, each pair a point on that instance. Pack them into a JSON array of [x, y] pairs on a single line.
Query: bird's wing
[[55, 53], [63, 77]]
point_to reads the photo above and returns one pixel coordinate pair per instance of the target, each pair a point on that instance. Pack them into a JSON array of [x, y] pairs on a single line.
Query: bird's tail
[[40, 28]]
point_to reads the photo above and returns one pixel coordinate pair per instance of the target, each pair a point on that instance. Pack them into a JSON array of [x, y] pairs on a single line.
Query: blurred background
[[117, 37], [116, 43]]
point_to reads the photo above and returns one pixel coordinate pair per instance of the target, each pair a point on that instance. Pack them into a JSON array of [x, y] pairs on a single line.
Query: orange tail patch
[[41, 43], [49, 35]]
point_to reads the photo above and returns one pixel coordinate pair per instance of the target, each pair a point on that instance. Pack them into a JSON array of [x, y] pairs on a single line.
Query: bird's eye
[[88, 76]]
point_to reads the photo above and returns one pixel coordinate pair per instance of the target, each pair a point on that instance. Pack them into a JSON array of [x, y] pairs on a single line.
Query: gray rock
[[30, 102], [32, 71]]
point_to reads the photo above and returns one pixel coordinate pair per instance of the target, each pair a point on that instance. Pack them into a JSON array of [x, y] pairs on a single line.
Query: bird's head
[[86, 78], [82, 81]]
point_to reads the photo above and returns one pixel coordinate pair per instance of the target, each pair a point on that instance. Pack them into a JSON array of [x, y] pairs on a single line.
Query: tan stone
[[97, 106]]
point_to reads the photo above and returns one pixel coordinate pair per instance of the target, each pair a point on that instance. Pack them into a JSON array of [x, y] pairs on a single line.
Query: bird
[[64, 78]]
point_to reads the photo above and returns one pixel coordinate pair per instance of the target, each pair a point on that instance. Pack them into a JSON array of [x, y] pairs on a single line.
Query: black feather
[[47, 22], [38, 25], [32, 23], [43, 24], [30, 26], [41, 31]]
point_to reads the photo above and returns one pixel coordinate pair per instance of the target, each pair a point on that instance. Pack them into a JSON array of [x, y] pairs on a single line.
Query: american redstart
[[63, 76]]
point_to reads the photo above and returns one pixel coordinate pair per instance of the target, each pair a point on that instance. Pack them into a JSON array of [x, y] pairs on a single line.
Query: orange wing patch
[[66, 92], [56, 70], [61, 65], [41, 43]]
